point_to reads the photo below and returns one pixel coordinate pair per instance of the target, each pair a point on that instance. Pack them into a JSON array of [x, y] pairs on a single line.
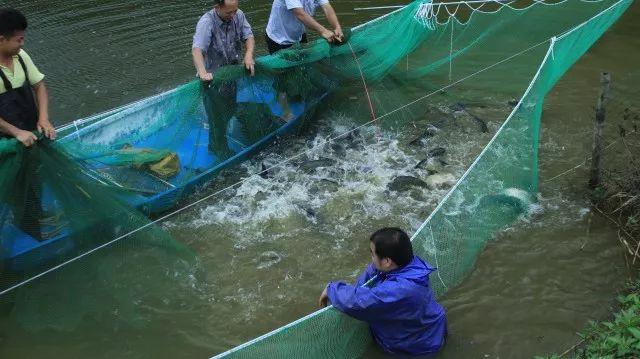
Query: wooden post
[[596, 156]]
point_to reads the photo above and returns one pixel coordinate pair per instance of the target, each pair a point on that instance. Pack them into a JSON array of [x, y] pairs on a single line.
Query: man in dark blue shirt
[[398, 304]]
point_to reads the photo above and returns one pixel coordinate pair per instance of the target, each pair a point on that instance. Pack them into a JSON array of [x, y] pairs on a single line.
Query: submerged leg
[[220, 106]]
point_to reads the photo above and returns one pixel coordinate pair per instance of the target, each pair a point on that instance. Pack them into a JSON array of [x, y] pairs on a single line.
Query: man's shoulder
[[316, 3], [240, 15], [207, 17], [25, 57]]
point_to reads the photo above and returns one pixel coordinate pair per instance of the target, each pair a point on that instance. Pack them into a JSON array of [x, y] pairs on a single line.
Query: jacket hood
[[416, 271]]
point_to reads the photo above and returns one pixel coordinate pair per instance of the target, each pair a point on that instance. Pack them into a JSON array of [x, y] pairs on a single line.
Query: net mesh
[[495, 59], [55, 209], [95, 186]]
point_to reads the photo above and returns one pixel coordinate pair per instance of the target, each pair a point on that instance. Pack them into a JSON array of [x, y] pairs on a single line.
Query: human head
[[12, 28], [390, 248], [226, 9]]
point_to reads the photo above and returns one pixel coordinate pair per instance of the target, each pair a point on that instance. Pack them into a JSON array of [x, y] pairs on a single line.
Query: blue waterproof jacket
[[401, 310]]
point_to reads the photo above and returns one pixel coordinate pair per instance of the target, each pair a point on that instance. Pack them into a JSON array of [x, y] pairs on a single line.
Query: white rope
[[447, 196], [282, 163], [455, 11], [368, 23], [433, 14], [579, 165], [379, 7], [316, 313], [75, 124], [116, 110], [451, 53], [277, 165], [425, 15], [462, 79], [493, 139], [435, 255], [436, 3]]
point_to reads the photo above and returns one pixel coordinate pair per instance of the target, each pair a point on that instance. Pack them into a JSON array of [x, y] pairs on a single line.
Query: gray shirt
[[221, 42], [284, 27]]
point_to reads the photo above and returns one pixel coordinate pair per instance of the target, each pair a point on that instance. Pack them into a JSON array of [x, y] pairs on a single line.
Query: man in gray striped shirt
[[219, 37], [217, 42]]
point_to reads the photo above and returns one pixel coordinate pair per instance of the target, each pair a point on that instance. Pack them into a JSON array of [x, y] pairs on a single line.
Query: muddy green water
[[262, 259]]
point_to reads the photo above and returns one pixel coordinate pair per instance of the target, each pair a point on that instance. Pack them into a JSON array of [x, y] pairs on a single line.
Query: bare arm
[[251, 46], [310, 22], [330, 13], [198, 62], [44, 125], [249, 62], [7, 128], [27, 138]]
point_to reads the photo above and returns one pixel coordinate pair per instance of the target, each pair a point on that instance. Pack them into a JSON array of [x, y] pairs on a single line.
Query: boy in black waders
[[23, 110]]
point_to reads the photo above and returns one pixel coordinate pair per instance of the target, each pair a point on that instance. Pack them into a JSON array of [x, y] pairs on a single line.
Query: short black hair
[[393, 243], [11, 20]]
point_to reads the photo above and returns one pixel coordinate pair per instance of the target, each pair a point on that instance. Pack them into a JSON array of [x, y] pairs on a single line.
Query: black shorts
[[275, 47]]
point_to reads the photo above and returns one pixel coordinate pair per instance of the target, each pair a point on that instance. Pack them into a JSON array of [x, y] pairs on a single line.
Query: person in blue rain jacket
[[399, 307]]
